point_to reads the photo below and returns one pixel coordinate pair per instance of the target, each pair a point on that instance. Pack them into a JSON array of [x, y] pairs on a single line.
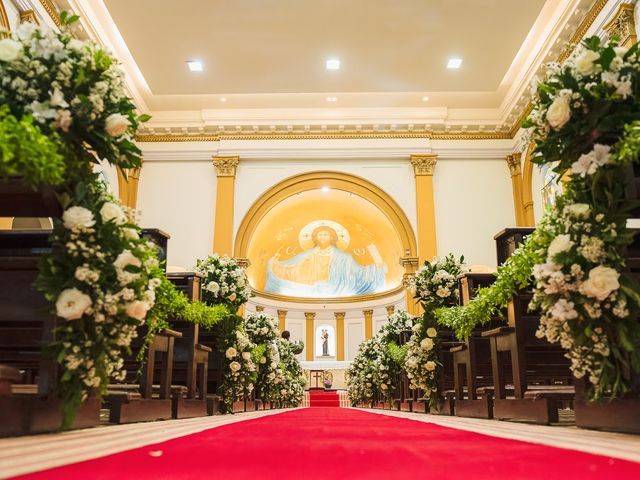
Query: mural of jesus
[[325, 270]]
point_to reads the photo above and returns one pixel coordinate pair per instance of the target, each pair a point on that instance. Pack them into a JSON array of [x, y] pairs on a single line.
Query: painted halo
[[306, 242]]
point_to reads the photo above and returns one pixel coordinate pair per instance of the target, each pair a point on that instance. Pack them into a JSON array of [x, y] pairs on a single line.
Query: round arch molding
[[315, 180]]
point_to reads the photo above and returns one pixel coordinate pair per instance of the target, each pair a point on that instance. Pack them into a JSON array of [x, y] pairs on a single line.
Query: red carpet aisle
[[321, 398], [338, 443]]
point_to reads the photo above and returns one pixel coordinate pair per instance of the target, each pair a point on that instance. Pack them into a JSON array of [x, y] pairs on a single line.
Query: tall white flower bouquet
[[240, 371], [294, 380], [362, 375], [435, 284], [587, 120], [263, 331], [224, 281]]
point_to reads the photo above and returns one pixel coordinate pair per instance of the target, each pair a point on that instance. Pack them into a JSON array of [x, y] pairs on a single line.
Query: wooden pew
[[472, 359], [191, 358], [30, 405], [541, 375]]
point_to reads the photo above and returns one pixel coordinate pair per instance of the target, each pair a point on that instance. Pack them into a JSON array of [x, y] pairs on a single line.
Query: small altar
[[337, 369]]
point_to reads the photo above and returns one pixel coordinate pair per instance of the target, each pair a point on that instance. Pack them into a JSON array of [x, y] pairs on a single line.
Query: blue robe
[[346, 278]]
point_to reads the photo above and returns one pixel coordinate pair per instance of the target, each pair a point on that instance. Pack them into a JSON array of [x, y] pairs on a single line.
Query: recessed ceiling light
[[333, 64], [223, 99], [332, 99], [195, 65], [425, 99], [454, 63], [325, 189]]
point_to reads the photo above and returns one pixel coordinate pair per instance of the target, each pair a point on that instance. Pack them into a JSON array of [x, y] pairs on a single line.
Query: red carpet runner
[[321, 398], [340, 443]]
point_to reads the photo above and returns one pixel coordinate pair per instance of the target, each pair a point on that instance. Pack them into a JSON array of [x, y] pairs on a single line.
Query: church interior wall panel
[[13, 16], [255, 177], [473, 201], [537, 185], [354, 337], [179, 198]]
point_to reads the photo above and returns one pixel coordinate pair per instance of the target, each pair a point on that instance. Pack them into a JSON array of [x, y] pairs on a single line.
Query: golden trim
[[29, 16], [527, 188], [339, 316], [513, 162], [226, 165], [4, 20], [623, 25], [315, 180], [310, 334], [323, 301], [51, 10], [390, 309], [424, 164]]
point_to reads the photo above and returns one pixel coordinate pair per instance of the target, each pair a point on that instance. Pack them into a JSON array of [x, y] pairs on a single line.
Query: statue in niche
[[324, 335], [324, 269]]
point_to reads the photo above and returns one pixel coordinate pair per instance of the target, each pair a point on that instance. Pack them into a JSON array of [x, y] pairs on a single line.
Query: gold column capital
[[282, 313], [391, 309], [310, 316], [409, 263], [424, 164], [339, 315], [243, 262], [368, 313], [513, 162], [226, 165], [29, 16], [259, 308], [623, 25]]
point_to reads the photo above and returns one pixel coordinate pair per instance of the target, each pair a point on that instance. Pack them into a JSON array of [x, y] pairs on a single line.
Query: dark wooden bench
[[28, 402]]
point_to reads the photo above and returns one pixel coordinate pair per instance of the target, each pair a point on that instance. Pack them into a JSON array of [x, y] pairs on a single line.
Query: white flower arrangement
[[436, 284], [224, 281], [239, 374], [100, 306], [422, 360]]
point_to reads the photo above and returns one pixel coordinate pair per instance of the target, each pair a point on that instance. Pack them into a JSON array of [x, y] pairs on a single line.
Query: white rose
[[562, 243], [246, 356], [431, 366], [263, 360], [10, 50], [559, 113], [584, 63], [578, 210], [602, 281], [130, 233], [212, 287], [431, 332], [78, 217], [116, 124], [231, 352], [138, 309], [112, 211], [426, 343], [72, 304], [125, 259], [235, 366], [443, 292]]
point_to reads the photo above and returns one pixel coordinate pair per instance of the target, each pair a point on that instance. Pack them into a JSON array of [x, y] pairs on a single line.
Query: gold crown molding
[[623, 25], [51, 10], [29, 16], [307, 300]]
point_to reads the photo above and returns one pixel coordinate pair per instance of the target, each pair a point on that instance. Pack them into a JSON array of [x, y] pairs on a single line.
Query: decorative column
[[128, 186], [623, 25], [423, 168], [390, 309], [513, 161], [223, 226], [368, 324], [310, 316], [259, 308], [282, 317], [410, 265], [339, 335]]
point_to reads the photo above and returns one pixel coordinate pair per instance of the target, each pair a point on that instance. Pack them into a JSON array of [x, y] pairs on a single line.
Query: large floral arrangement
[[587, 119], [224, 281], [421, 360], [101, 283], [72, 92], [363, 372], [435, 284], [239, 371], [263, 331], [294, 380]]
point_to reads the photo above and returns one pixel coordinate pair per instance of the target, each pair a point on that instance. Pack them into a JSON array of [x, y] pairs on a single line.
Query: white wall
[[179, 198], [473, 201]]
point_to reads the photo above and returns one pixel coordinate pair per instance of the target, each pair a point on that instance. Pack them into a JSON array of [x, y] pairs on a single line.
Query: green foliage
[[27, 152], [397, 353]]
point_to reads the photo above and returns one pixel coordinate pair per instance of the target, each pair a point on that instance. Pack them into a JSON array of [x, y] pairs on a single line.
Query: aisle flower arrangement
[[100, 280], [436, 286], [294, 380], [362, 374], [225, 282], [263, 331], [587, 119]]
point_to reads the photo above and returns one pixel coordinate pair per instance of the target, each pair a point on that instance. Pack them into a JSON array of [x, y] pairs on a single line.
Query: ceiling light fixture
[[425, 99], [325, 189], [333, 64], [332, 99], [195, 65], [454, 63], [223, 99]]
